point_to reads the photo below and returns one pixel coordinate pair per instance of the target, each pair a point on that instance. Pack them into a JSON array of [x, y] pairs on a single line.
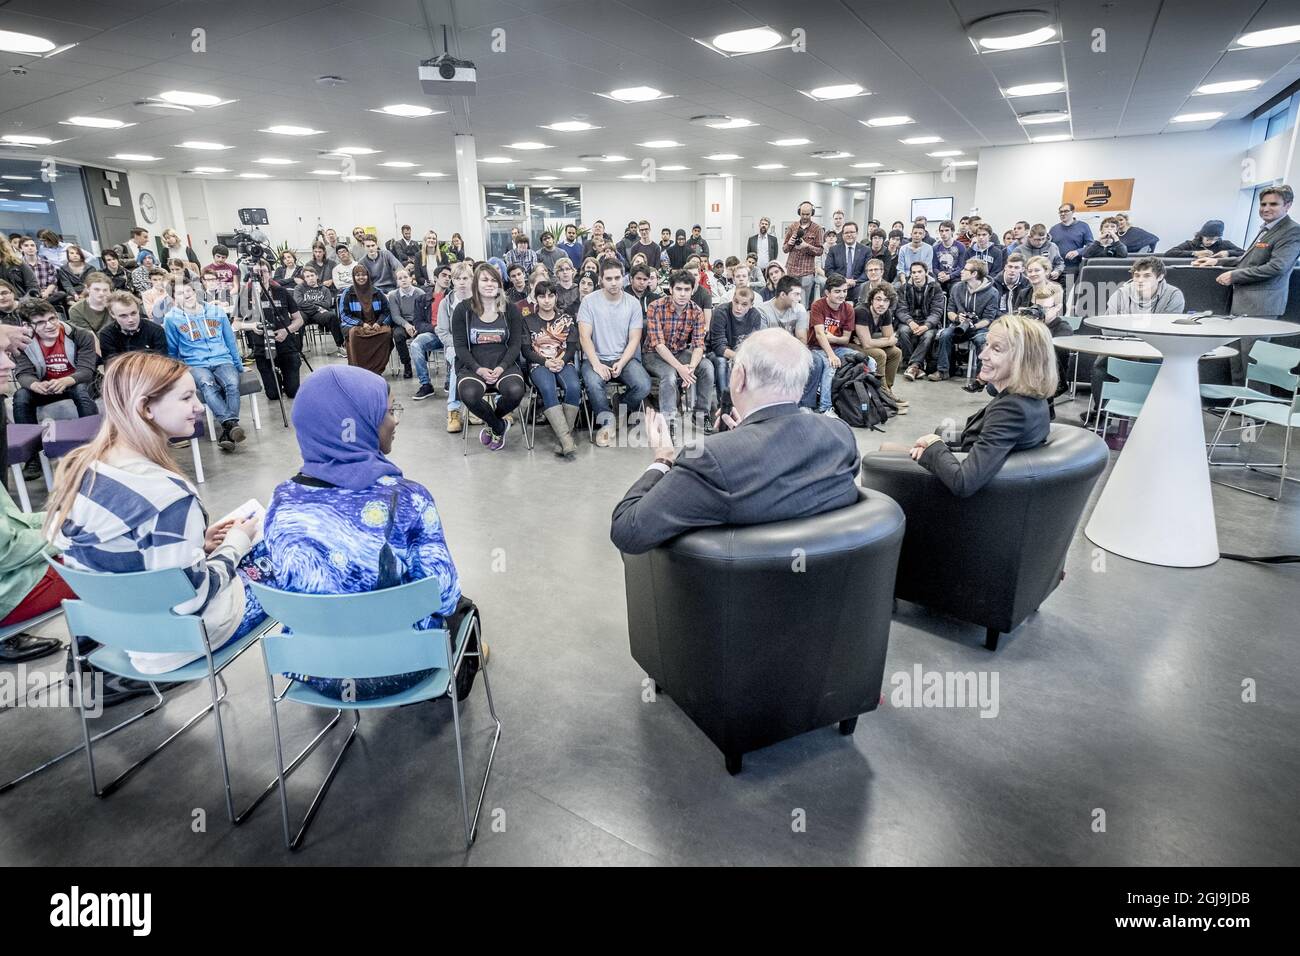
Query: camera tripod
[[269, 346]]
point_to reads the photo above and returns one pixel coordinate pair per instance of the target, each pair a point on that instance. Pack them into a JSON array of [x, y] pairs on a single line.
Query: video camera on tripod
[[249, 249]]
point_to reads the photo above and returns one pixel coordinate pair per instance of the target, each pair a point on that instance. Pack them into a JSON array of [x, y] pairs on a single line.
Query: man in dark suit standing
[[763, 244], [1261, 278], [848, 258], [776, 462]]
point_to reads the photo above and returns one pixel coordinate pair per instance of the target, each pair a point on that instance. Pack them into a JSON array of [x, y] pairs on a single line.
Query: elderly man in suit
[[848, 257], [763, 244], [1261, 277], [775, 462]]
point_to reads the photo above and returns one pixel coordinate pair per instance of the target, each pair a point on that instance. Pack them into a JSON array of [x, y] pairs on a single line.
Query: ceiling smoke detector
[[331, 81]]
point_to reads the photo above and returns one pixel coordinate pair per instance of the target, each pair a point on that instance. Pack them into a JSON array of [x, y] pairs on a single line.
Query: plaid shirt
[[800, 262], [527, 259], [677, 330], [45, 271]]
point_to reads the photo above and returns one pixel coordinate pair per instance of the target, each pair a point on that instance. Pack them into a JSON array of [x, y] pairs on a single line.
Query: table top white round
[[1124, 348], [1214, 326]]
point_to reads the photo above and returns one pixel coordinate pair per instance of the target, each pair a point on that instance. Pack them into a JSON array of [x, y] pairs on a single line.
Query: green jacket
[[22, 553]]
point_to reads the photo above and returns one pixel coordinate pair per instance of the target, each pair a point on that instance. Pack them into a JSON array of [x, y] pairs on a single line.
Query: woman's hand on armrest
[[922, 443]]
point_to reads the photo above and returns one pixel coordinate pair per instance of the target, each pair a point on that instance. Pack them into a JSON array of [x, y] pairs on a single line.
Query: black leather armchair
[[991, 559], [764, 632]]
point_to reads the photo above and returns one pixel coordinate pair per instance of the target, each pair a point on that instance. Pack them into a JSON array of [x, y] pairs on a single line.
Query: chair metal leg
[[198, 462], [487, 689], [212, 427], [257, 412], [21, 484], [46, 472]]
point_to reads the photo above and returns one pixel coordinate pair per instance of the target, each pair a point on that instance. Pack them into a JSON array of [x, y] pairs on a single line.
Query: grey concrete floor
[[1122, 694]]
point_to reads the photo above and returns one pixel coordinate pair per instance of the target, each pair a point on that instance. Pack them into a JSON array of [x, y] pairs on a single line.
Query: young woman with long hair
[[488, 333]]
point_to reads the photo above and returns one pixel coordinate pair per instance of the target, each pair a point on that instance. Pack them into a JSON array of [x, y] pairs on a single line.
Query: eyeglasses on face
[[396, 410]]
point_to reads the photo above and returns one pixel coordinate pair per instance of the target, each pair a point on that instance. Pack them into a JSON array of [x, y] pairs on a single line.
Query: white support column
[[471, 203]]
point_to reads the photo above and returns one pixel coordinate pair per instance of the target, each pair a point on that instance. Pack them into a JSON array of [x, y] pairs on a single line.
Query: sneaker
[[454, 424], [485, 436], [423, 392], [913, 372], [236, 432], [499, 441], [341, 353], [938, 376], [224, 441], [828, 412], [603, 438]]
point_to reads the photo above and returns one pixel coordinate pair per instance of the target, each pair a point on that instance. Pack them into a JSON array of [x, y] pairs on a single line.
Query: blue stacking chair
[[1269, 364], [134, 611], [354, 636], [1125, 398]]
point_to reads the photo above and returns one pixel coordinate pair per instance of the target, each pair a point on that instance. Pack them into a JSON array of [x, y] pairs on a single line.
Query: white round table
[[1156, 506], [1125, 348]]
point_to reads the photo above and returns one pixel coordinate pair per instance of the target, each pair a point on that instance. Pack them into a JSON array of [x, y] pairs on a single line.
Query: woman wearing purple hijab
[[327, 526]]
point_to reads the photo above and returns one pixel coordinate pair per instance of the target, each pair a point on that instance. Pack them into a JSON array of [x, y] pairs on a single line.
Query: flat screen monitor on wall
[[933, 208]]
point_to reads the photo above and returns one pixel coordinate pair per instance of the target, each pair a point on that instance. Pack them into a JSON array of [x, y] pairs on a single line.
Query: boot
[[555, 418]]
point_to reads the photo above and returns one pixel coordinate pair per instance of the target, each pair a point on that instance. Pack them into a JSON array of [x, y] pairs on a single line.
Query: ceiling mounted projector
[[444, 75]]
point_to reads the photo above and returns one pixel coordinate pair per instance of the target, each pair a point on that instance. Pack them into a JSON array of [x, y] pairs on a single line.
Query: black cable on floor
[[1264, 559]]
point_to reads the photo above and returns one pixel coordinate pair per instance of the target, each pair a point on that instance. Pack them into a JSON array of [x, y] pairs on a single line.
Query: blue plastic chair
[[354, 636], [1270, 364], [134, 611], [1273, 413], [1124, 398]]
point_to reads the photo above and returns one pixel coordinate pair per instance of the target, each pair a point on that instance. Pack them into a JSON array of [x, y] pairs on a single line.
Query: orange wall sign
[[1099, 195]]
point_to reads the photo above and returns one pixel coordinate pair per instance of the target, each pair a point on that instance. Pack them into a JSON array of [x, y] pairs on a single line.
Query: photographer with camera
[[972, 308], [803, 244], [271, 322]]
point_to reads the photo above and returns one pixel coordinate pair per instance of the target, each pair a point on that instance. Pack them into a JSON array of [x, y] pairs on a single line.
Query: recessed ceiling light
[[945, 152], [201, 144], [95, 122], [830, 154], [495, 159], [795, 141], [634, 94], [137, 157], [399, 164], [353, 179], [32, 195], [964, 162], [1033, 89], [355, 150], [755, 40], [630, 176], [574, 169], [887, 121], [209, 169], [275, 161], [185, 98], [806, 173], [1195, 117], [613, 158], [21, 139], [293, 130], [527, 144], [1050, 138], [731, 122], [156, 107], [428, 174], [854, 185], [404, 109], [673, 169], [1018, 41], [921, 140], [254, 176], [770, 166], [1228, 86], [661, 144], [545, 179], [865, 165], [11, 42], [21, 179], [1274, 37], [723, 157], [327, 172], [570, 126], [1040, 117], [837, 92]]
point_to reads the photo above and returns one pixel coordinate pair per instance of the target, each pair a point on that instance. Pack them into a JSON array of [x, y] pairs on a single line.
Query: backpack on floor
[[857, 398]]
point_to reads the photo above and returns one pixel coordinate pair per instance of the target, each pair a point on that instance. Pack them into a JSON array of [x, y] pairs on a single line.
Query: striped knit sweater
[[138, 516]]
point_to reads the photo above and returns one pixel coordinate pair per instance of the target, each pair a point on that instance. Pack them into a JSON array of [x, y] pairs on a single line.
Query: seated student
[[949, 257], [342, 274], [918, 317], [366, 321], [1108, 246], [781, 464], [676, 337], [462, 287], [1146, 293], [8, 304], [518, 289], [73, 273], [411, 309], [58, 364], [119, 504], [1207, 245], [141, 280], [112, 267], [785, 311], [831, 322], [316, 303], [1037, 243], [972, 307], [349, 515], [873, 328], [200, 335], [1019, 366], [488, 333], [610, 327], [288, 273], [91, 311], [1136, 239], [983, 247], [771, 276], [732, 322], [127, 332], [550, 347]]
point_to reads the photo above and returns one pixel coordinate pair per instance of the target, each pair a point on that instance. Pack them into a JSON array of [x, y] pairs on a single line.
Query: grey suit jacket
[[772, 246], [780, 463], [1261, 277]]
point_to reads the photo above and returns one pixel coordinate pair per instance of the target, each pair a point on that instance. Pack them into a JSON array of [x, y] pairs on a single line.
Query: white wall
[[156, 186], [1180, 179], [670, 204], [894, 194]]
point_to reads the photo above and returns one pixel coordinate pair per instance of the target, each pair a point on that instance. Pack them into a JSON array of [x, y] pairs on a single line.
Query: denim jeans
[[948, 339], [634, 376], [26, 402], [668, 380], [828, 373], [453, 403], [218, 386], [545, 381], [809, 399], [424, 343], [721, 374]]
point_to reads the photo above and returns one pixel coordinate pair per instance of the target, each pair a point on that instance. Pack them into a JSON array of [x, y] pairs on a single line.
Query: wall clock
[[148, 208]]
